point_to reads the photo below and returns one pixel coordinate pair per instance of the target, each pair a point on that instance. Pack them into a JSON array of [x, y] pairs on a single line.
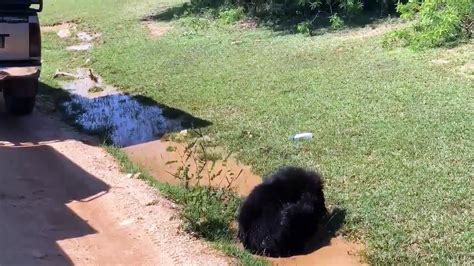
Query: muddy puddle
[[99, 108], [338, 252], [121, 118]]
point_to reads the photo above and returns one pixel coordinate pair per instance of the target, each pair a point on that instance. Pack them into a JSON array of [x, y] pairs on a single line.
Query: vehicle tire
[[19, 105], [20, 95]]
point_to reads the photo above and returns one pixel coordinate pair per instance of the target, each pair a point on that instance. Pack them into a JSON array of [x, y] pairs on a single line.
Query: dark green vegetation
[[393, 130], [437, 23], [286, 16]]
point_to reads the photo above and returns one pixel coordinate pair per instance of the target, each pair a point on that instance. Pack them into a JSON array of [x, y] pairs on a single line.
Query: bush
[[209, 212], [231, 15], [437, 23], [336, 22], [304, 28]]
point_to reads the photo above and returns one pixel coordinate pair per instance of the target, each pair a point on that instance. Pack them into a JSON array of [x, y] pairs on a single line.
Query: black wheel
[[19, 106], [20, 95]]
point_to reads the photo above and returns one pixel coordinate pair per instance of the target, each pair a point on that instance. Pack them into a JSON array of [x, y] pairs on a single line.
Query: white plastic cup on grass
[[302, 136]]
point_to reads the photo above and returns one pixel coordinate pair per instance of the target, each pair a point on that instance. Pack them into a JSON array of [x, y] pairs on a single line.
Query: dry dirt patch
[[459, 60], [369, 31], [69, 26], [157, 29]]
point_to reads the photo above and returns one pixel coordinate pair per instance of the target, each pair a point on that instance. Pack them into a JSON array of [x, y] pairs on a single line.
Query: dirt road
[[64, 201]]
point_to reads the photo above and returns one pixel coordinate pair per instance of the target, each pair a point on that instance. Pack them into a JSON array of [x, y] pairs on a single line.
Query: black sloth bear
[[283, 214]]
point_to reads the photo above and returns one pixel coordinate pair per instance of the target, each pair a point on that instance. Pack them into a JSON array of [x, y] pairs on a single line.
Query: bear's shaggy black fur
[[283, 214]]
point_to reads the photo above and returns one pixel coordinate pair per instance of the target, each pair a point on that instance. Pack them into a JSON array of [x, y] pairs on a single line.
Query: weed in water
[[208, 211], [170, 149], [96, 89]]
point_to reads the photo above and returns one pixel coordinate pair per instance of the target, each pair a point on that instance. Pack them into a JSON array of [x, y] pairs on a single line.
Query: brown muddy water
[[338, 252], [163, 158], [137, 127]]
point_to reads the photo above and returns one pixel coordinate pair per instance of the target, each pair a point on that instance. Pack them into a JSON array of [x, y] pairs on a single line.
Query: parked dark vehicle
[[20, 54]]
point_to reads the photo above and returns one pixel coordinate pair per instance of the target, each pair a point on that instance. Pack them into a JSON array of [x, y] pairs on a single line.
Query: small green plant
[[336, 22], [304, 28], [231, 15], [208, 212]]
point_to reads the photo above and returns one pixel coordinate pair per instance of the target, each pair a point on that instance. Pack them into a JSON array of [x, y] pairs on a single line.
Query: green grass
[[393, 132]]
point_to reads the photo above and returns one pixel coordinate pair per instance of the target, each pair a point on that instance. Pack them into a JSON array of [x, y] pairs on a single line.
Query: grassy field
[[393, 130]]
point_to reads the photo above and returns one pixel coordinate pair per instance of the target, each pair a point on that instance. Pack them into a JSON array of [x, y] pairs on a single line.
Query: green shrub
[[408, 10], [304, 27], [437, 23], [336, 22], [231, 15], [209, 212]]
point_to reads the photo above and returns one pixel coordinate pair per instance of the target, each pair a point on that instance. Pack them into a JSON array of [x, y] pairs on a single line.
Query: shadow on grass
[[120, 119], [169, 13], [320, 24]]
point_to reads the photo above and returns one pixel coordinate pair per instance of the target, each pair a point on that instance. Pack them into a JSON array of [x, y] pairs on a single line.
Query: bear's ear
[[315, 178]]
